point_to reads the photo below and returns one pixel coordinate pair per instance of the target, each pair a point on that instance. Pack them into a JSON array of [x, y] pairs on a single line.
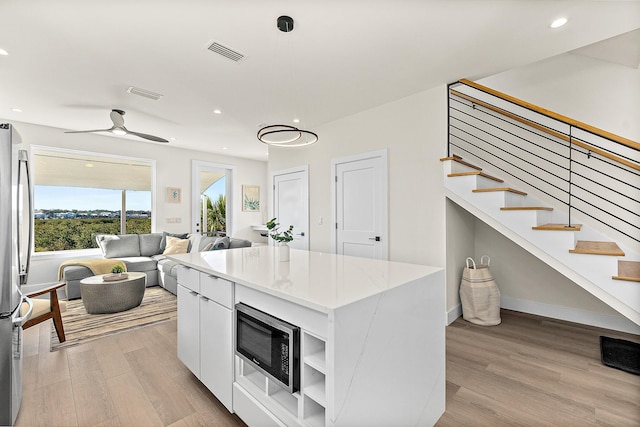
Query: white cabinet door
[[216, 352], [189, 329]]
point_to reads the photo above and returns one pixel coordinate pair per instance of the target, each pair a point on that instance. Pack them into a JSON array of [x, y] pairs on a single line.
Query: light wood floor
[[527, 371], [129, 379], [535, 371]]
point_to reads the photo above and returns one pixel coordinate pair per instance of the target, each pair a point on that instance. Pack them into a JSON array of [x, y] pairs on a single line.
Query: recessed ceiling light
[[296, 120], [225, 148], [3, 52], [17, 110], [558, 23], [173, 138], [216, 111], [89, 164]]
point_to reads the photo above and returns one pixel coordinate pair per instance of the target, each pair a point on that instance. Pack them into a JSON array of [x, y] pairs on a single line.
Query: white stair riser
[[487, 183], [592, 272]]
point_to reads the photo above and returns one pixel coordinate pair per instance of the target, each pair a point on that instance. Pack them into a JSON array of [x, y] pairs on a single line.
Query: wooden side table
[[100, 297]]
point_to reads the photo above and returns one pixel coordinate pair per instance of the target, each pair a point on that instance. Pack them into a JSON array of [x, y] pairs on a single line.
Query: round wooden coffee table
[[100, 296]]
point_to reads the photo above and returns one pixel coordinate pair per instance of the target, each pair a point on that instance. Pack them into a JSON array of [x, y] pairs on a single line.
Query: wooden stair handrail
[[549, 131], [592, 129]]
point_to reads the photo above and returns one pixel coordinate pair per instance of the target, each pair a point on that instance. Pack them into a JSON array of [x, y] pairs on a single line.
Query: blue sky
[[70, 198], [216, 189]]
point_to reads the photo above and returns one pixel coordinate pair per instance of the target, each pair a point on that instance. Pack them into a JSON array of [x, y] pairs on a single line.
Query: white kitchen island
[[372, 336]]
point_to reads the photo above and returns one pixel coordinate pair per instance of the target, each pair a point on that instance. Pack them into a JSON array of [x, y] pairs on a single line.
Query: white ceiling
[[71, 61]]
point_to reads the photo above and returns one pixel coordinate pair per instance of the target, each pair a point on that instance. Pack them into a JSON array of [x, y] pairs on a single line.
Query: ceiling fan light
[[118, 131]]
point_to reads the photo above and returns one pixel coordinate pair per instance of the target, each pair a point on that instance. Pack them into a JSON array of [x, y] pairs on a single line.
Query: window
[[78, 195]]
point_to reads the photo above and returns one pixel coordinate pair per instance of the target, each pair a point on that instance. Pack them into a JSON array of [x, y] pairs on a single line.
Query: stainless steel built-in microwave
[[270, 345]]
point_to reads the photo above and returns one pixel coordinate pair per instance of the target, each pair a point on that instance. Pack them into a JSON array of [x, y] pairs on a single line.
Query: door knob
[[377, 238]]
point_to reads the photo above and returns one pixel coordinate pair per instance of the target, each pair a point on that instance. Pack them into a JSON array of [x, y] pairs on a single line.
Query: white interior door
[[291, 203], [361, 205]]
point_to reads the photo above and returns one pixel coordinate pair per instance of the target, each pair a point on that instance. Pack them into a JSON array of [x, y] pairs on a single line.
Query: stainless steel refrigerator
[[16, 234]]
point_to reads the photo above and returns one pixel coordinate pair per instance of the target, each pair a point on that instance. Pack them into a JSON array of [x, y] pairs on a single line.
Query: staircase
[[579, 252]]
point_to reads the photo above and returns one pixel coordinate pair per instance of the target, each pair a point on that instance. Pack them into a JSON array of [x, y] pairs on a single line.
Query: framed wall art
[[251, 198], [174, 194]]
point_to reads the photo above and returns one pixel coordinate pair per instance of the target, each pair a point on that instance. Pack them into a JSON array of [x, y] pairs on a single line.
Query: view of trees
[[217, 215], [69, 234]]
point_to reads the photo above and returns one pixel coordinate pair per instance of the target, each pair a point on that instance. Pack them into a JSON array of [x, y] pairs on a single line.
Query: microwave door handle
[[24, 272]]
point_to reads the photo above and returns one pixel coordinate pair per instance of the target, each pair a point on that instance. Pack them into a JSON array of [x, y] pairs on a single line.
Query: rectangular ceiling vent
[[225, 51], [145, 93]]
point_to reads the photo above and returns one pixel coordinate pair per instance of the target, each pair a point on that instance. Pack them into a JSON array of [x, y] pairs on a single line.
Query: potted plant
[[282, 237], [117, 272]]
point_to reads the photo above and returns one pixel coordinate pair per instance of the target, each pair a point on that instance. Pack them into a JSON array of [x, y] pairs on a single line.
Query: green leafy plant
[[276, 234], [117, 269], [217, 215]]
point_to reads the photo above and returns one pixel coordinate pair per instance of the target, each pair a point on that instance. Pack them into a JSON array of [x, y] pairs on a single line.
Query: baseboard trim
[[607, 321], [584, 317], [454, 313]]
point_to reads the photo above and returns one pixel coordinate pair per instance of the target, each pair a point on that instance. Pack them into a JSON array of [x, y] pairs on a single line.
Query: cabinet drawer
[[189, 278], [217, 289]]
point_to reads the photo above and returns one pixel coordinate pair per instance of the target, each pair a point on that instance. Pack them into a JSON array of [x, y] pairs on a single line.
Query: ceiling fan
[[119, 129]]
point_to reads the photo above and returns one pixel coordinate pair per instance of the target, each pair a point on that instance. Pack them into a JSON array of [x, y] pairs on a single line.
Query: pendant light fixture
[[286, 135]]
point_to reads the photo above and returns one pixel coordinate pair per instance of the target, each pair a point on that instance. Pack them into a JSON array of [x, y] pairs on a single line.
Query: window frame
[[75, 253]]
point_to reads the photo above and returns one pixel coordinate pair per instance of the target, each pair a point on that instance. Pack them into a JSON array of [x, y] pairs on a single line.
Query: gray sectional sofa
[[143, 253]]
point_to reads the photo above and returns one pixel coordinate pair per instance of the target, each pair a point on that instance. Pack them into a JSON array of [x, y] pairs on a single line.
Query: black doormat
[[620, 354]]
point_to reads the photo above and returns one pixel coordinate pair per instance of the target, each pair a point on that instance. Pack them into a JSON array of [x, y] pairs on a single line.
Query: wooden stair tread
[[510, 190], [458, 159], [526, 208], [628, 270], [628, 279], [597, 248], [479, 173], [558, 227]]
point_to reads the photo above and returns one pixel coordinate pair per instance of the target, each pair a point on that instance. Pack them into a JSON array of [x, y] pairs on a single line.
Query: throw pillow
[[163, 241], [207, 247], [176, 246], [220, 243]]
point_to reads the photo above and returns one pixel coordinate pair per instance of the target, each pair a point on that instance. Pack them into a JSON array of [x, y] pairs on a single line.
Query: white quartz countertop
[[320, 281]]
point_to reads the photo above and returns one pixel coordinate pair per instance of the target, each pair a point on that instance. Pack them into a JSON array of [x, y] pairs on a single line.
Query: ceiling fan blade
[[147, 136], [87, 131], [116, 118]]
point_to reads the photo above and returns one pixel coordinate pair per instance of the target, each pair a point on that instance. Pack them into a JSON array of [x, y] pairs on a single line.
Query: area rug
[[158, 305]]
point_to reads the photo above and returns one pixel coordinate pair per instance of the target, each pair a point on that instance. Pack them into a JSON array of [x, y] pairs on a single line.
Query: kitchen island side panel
[[386, 354]]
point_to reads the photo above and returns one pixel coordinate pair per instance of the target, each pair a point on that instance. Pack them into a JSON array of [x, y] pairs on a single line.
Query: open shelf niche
[[307, 407], [313, 381]]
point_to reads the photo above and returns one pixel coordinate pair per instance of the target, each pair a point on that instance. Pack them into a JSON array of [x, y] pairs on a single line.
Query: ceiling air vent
[[225, 51], [145, 93]]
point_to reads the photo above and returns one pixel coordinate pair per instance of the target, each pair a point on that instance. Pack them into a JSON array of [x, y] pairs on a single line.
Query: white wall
[[173, 169], [413, 129], [599, 93]]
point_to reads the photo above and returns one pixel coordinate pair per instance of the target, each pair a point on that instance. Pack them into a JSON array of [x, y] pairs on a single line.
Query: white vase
[[283, 252]]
